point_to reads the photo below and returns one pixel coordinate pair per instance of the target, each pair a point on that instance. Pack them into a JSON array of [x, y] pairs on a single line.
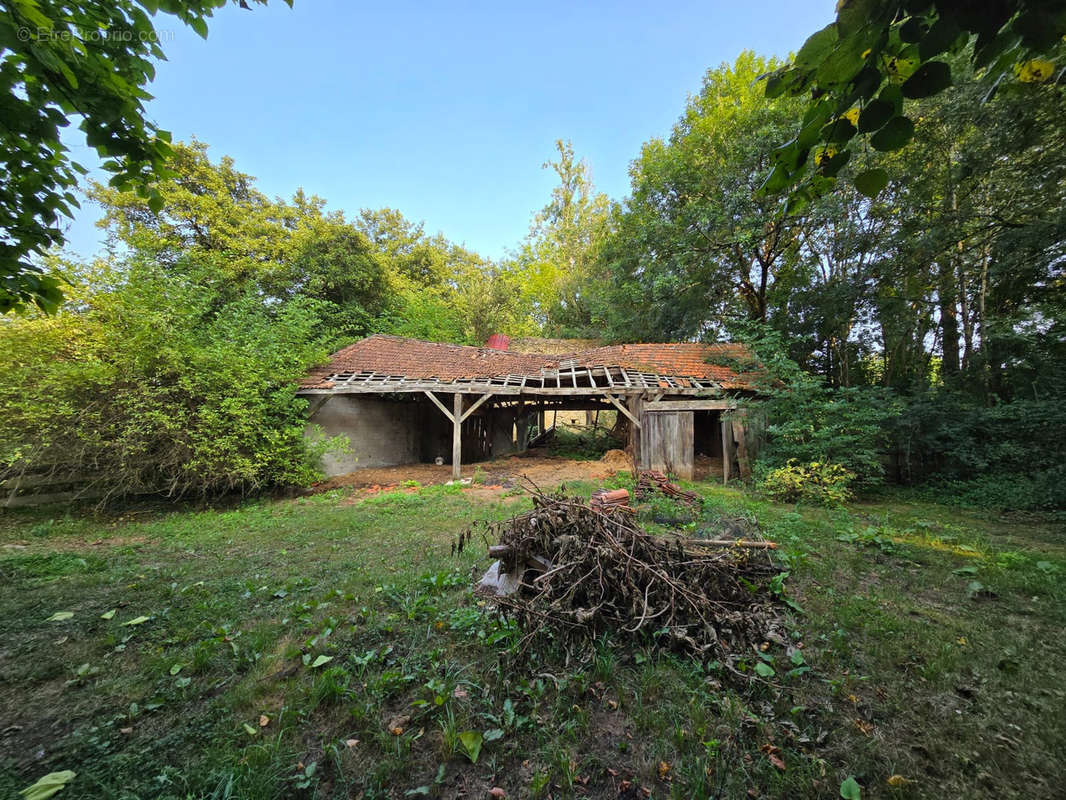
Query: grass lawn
[[330, 647]]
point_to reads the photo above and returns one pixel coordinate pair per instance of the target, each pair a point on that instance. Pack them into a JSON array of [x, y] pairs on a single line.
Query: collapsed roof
[[383, 363]]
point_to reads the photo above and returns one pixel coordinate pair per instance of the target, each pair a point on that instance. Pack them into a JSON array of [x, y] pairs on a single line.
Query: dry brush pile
[[584, 572]]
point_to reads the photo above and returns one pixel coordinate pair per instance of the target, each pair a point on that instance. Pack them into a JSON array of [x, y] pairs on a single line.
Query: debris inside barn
[[581, 572], [652, 481]]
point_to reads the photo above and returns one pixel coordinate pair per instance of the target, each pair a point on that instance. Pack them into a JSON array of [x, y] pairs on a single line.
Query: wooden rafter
[[621, 407], [440, 405], [474, 407]]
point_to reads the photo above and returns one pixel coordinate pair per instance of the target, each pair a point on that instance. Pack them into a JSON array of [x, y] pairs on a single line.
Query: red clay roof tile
[[416, 359]]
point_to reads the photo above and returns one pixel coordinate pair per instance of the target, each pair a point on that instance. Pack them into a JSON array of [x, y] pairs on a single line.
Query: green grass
[[588, 444], [931, 641]]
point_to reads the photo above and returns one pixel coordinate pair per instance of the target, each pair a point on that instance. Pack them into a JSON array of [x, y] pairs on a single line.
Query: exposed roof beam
[[621, 407], [440, 405]]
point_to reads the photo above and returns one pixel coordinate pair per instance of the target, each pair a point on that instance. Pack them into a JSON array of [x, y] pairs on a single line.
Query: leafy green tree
[[813, 422], [215, 226], [87, 59], [858, 70], [149, 381], [423, 260], [695, 244], [442, 291], [557, 258]]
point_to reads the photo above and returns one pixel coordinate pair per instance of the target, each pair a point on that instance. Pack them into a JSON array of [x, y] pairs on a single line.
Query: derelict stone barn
[[401, 401]]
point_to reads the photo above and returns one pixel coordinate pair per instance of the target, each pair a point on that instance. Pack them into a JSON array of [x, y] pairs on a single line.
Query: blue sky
[[446, 110]]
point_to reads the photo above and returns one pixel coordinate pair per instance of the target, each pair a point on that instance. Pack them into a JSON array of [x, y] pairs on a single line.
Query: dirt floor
[[504, 473]]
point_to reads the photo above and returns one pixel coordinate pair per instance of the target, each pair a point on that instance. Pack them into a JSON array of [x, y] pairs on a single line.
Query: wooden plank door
[[667, 442]]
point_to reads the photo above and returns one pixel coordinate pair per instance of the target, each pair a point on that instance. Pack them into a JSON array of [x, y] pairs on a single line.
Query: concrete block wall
[[382, 433]]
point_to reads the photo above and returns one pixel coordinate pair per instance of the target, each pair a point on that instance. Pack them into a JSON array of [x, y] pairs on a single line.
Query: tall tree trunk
[[967, 318], [948, 295], [982, 296]]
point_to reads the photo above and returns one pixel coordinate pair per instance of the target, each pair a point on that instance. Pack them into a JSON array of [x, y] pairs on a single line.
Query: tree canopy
[[88, 60], [901, 320], [856, 73]]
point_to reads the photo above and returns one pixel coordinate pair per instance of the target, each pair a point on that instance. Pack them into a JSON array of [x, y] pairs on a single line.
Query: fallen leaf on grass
[[772, 752], [850, 789], [897, 781], [264, 720], [125, 731], [318, 662], [48, 785], [496, 791], [351, 743], [109, 614], [250, 730], [664, 770], [397, 724], [135, 621], [60, 616]]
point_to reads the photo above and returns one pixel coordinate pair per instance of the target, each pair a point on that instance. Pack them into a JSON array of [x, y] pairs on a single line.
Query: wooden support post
[[727, 457], [457, 435], [740, 434], [474, 407], [635, 413]]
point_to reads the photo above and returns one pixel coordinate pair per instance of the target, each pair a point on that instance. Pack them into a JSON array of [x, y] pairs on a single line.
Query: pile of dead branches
[[580, 572]]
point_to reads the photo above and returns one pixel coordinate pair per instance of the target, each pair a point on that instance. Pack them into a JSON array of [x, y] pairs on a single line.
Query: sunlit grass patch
[[352, 631]]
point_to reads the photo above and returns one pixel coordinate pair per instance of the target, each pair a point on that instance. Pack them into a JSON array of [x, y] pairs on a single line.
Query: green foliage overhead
[[441, 291], [856, 72], [694, 244], [88, 60]]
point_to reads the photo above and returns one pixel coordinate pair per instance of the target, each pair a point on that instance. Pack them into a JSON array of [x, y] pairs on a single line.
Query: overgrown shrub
[[815, 482], [811, 422], [1042, 491], [963, 449], [148, 382]]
